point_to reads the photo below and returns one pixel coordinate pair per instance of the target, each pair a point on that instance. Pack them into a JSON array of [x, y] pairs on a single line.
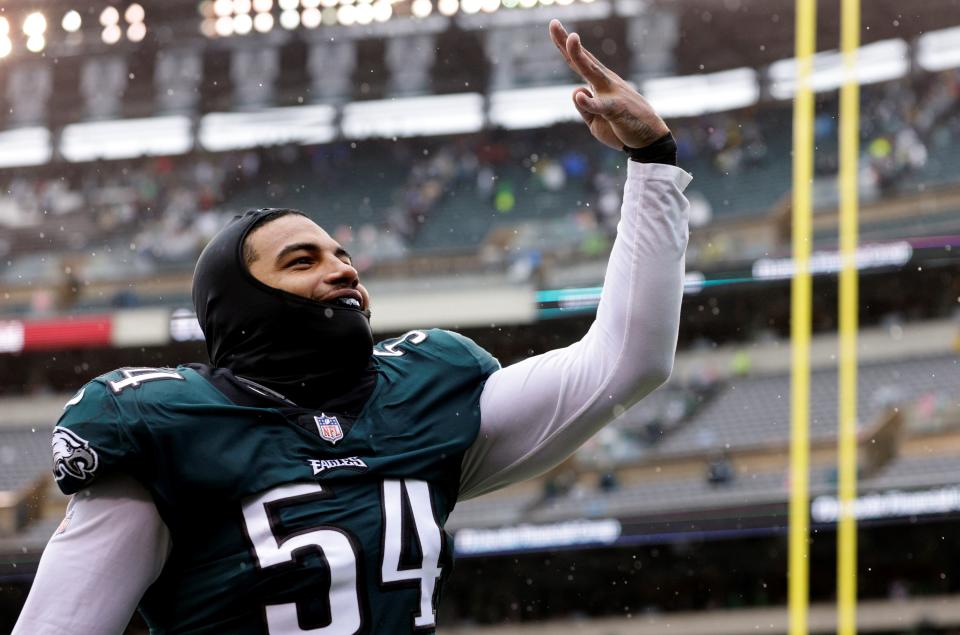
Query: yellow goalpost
[[798, 565], [847, 415], [798, 568]]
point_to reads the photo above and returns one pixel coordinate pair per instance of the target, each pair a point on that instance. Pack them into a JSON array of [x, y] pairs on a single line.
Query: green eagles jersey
[[284, 519]]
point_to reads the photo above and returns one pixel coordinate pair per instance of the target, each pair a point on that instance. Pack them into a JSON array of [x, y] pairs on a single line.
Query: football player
[[301, 482]]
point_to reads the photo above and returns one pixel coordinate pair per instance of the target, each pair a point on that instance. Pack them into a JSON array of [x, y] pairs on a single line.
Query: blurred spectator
[[608, 482], [741, 363], [68, 291], [504, 200], [720, 470]]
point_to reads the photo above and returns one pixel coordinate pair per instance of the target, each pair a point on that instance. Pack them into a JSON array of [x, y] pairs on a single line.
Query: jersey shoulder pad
[[446, 347], [140, 382], [89, 437], [98, 429], [487, 362], [150, 389]]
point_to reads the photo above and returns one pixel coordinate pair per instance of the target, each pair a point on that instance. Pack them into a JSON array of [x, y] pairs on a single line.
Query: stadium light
[[71, 21], [136, 31], [35, 43], [364, 13], [134, 13], [471, 6], [111, 34], [262, 6], [242, 6], [224, 26], [289, 5], [242, 24], [448, 7], [528, 4], [289, 19], [34, 24], [205, 9], [4, 27], [310, 4], [109, 16], [209, 27], [347, 14], [5, 46], [222, 8], [421, 8], [382, 10], [263, 22], [330, 15], [564, 2], [311, 18], [328, 3], [490, 6]]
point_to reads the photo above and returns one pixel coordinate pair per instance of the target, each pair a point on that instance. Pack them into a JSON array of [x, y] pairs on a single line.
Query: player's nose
[[342, 274]]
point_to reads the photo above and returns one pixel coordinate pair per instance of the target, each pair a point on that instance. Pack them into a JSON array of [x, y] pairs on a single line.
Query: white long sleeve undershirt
[[109, 549], [533, 414]]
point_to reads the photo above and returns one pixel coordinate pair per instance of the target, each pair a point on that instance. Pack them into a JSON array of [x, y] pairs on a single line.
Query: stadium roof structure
[[720, 35]]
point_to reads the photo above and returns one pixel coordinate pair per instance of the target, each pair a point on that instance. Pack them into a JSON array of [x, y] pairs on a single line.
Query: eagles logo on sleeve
[[72, 456]]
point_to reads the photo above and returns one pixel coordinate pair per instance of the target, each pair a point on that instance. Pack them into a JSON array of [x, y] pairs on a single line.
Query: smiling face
[[293, 254]]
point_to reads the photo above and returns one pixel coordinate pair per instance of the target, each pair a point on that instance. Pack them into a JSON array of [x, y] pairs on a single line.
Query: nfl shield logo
[[329, 428]]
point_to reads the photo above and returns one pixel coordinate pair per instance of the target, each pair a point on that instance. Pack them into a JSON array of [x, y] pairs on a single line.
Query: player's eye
[[301, 261]]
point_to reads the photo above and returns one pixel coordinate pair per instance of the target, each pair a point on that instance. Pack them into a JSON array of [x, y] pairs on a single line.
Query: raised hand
[[616, 114]]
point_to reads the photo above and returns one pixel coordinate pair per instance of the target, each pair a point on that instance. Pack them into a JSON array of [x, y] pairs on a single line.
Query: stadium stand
[[444, 193], [755, 411], [24, 455]]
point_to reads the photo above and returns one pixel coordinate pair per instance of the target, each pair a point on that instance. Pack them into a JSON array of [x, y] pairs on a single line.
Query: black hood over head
[[313, 353]]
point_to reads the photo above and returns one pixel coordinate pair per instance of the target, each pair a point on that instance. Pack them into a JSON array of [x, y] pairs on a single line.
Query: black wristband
[[663, 150]]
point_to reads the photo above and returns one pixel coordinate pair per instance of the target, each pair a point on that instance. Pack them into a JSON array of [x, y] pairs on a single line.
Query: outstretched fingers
[[586, 65], [580, 60], [559, 36]]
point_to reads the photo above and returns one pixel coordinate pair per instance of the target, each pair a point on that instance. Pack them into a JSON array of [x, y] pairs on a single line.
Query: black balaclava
[[311, 352]]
